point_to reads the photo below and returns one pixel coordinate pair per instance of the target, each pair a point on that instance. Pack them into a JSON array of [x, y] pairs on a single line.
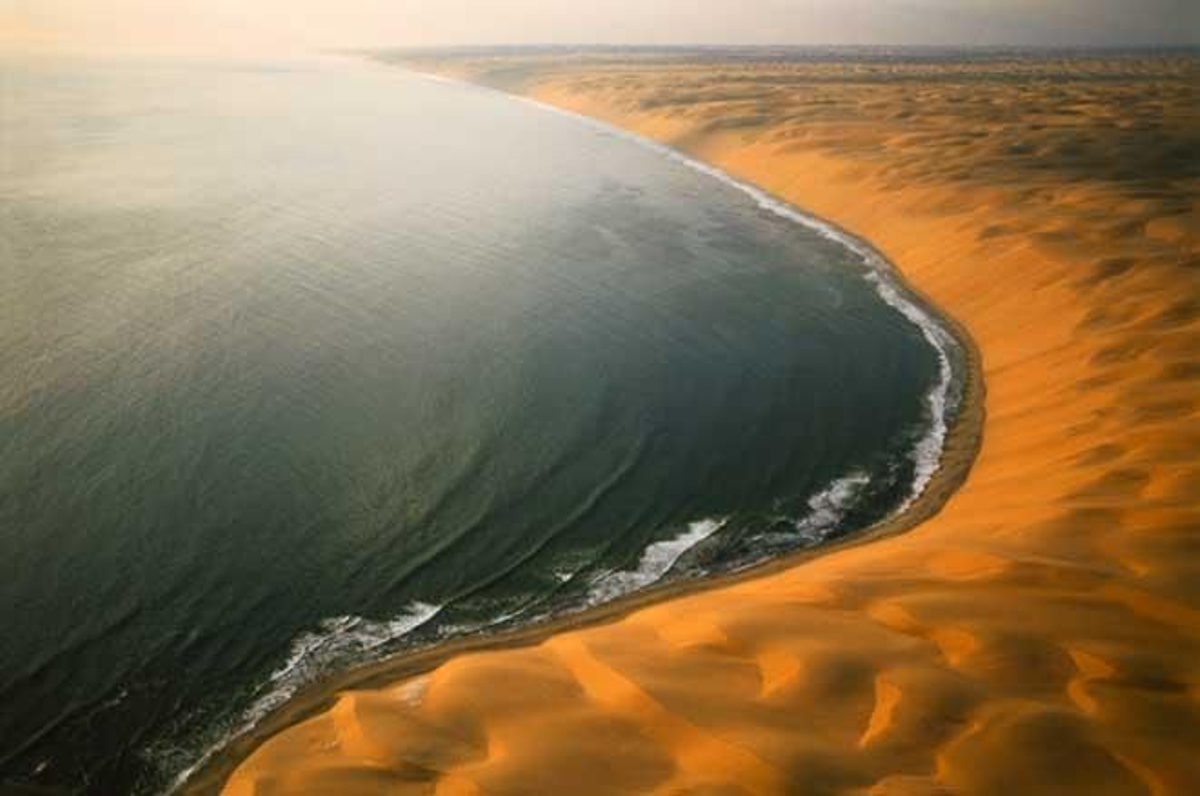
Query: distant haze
[[281, 25]]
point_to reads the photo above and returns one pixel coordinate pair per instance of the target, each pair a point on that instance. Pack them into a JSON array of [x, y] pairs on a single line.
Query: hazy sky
[[248, 25]]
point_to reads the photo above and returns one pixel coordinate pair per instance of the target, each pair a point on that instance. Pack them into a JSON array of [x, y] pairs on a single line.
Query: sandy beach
[[1040, 633]]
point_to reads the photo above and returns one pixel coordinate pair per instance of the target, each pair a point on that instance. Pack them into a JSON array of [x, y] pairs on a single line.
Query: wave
[[657, 559], [829, 507], [338, 642]]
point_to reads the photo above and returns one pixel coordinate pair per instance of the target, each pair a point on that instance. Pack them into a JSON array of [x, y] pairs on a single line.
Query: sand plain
[[1041, 633]]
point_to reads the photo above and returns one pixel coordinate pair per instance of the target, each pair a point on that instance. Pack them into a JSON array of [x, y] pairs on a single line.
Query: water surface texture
[[303, 364]]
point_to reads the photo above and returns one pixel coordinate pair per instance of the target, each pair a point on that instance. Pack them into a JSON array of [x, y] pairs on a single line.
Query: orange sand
[[1042, 633]]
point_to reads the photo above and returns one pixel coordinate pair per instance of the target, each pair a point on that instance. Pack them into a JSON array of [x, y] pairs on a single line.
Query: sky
[[248, 26]]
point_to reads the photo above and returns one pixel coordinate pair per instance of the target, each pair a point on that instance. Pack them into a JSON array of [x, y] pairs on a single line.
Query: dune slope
[[1041, 634]]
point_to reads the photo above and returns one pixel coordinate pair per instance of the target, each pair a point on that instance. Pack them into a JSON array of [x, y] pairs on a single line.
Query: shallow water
[[304, 363]]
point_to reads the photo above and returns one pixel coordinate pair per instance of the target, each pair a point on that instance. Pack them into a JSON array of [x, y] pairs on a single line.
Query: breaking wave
[[657, 559]]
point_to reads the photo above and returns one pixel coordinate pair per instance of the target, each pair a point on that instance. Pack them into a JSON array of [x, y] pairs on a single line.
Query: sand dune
[[1042, 633]]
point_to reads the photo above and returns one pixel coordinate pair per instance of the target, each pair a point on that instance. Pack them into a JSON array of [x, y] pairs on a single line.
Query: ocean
[[305, 363]]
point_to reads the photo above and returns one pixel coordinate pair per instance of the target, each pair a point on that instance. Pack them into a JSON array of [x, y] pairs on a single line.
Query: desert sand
[[1039, 634]]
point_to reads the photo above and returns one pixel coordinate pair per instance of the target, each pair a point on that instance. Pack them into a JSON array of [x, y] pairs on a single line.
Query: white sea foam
[[927, 452], [454, 630], [337, 642], [657, 559], [828, 507], [341, 639]]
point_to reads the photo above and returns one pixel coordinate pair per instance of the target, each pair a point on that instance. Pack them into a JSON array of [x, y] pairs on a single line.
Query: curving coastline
[[943, 458], [1039, 632]]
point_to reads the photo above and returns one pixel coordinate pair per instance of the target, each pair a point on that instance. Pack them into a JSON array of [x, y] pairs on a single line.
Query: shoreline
[[960, 447], [1048, 612]]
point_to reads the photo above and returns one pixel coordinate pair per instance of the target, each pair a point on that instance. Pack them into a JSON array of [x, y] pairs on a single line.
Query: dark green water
[[305, 363]]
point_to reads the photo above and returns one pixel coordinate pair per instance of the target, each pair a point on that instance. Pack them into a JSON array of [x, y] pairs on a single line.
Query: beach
[[1037, 633]]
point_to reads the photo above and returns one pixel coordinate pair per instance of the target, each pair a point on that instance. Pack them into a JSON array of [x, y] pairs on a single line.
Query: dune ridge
[[1041, 633]]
